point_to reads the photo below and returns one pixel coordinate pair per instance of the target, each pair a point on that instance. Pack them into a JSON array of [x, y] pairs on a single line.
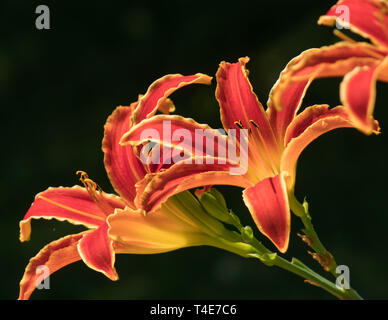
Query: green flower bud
[[214, 204]]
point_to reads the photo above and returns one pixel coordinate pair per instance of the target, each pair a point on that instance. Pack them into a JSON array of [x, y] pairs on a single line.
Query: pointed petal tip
[[368, 129], [203, 78], [268, 204], [112, 275], [283, 246]]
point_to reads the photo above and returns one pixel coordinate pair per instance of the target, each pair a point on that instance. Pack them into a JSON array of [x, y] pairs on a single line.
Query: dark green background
[[58, 86]]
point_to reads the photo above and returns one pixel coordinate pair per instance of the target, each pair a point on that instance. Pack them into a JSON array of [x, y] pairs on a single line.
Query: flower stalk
[[255, 249], [298, 268]]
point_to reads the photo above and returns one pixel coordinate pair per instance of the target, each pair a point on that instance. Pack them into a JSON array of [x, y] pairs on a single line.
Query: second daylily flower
[[361, 63], [276, 139]]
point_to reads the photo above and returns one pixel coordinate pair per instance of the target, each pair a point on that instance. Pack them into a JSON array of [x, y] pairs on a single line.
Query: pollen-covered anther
[[254, 124], [95, 191], [239, 124], [89, 184]]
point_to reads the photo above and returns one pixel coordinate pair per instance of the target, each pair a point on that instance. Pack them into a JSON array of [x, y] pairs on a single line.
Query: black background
[[58, 86]]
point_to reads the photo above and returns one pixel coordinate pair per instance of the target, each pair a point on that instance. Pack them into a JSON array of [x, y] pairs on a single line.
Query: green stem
[[246, 245], [322, 255], [303, 271], [256, 250]]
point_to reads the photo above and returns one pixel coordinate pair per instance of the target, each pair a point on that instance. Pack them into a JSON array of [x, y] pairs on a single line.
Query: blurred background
[[58, 86]]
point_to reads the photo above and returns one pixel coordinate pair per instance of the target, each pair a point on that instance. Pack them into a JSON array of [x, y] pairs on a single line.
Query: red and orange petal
[[183, 176], [358, 94], [54, 256], [291, 99], [306, 127], [96, 250], [71, 204], [321, 61], [159, 91], [174, 131], [311, 115], [268, 204], [162, 157], [238, 102], [368, 18], [287, 94], [123, 167]]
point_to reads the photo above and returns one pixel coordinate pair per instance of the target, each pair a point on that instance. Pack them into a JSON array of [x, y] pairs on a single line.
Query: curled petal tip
[[244, 60], [112, 275]]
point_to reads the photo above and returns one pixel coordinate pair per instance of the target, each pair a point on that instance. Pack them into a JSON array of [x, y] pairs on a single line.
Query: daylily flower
[[114, 223], [361, 63], [276, 139]]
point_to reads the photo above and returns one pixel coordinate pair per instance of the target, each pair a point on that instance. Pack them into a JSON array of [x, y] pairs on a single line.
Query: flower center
[[262, 160]]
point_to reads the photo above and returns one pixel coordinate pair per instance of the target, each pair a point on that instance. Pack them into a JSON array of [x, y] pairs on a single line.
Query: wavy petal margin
[[53, 256], [268, 204], [74, 205], [159, 91], [124, 169]]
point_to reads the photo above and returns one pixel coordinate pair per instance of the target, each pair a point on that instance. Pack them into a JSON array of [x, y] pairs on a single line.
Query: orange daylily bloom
[[361, 63], [276, 139], [114, 223]]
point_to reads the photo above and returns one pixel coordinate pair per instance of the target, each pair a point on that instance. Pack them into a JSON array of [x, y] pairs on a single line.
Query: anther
[[89, 184], [255, 124], [239, 124], [95, 192]]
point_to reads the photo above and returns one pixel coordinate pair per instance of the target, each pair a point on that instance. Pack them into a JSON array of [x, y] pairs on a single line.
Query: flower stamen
[[343, 36], [263, 145], [95, 191], [239, 124]]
